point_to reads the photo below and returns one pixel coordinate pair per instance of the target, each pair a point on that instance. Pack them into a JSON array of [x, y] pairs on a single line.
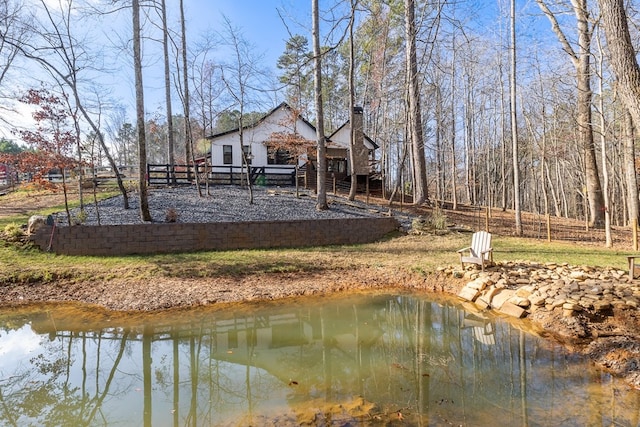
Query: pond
[[363, 359]]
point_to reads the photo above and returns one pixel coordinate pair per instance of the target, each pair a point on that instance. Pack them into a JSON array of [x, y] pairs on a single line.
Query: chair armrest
[[468, 248]]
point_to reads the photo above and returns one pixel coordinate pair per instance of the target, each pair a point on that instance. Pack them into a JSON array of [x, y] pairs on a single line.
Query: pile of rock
[[520, 288]]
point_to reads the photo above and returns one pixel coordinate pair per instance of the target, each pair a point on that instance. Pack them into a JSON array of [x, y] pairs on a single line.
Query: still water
[[372, 359]]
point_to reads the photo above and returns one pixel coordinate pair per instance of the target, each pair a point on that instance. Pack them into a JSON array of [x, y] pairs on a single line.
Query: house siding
[[256, 136]]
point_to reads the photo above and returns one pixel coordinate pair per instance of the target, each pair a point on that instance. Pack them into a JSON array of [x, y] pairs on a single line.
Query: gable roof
[[367, 139], [262, 120], [305, 121]]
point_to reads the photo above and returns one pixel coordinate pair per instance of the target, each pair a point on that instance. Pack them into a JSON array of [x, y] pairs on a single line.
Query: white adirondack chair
[[480, 252]]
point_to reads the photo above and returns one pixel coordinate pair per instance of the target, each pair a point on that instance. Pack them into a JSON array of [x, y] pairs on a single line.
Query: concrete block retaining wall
[[155, 238]]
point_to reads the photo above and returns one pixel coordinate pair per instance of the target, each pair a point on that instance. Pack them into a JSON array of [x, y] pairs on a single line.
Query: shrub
[[438, 219], [80, 217], [13, 233], [434, 223]]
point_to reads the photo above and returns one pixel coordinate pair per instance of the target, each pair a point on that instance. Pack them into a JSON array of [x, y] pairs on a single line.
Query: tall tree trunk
[[469, 143], [188, 135], [622, 54], [503, 142], [352, 104], [142, 142], [514, 124], [581, 62], [167, 87], [622, 58], [603, 149], [594, 189], [321, 203], [413, 101], [629, 168], [440, 151], [454, 166]]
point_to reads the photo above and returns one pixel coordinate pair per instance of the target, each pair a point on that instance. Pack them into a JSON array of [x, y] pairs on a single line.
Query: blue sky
[[258, 21]]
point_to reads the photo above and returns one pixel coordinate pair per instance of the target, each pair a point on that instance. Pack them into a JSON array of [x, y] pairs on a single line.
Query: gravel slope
[[225, 203]]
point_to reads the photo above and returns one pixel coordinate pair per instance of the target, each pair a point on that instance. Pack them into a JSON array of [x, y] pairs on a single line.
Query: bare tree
[[12, 35], [142, 143], [622, 57], [241, 77], [603, 144], [352, 103], [413, 102], [186, 99], [630, 170], [64, 57], [167, 88], [514, 124], [205, 78], [321, 203], [582, 65]]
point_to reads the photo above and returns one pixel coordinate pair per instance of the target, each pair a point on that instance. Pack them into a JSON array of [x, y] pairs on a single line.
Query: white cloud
[[16, 344]]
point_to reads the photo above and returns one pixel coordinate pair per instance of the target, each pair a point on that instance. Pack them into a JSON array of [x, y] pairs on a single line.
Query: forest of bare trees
[[516, 105]]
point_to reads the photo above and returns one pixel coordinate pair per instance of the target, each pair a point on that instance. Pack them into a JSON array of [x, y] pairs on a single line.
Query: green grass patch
[[513, 249], [73, 202]]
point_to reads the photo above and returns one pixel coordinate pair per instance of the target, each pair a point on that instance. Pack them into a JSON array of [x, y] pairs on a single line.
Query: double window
[[337, 166], [227, 154], [278, 156]]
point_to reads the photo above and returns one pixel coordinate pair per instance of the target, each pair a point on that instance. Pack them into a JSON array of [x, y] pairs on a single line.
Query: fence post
[[548, 228], [486, 219]]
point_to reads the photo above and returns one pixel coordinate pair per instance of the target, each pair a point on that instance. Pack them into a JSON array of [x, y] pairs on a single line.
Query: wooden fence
[[166, 174]]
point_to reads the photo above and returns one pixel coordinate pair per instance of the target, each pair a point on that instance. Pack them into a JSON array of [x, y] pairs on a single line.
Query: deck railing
[[166, 174]]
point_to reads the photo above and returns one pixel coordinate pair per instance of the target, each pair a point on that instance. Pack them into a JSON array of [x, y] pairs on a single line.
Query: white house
[[274, 144]]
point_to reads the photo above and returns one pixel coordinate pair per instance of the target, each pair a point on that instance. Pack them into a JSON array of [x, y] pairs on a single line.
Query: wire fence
[[543, 227]]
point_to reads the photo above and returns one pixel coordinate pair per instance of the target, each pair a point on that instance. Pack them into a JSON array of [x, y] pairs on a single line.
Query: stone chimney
[[360, 153]]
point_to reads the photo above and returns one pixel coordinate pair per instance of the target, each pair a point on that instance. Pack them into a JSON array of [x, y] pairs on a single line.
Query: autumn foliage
[[289, 139], [52, 141]]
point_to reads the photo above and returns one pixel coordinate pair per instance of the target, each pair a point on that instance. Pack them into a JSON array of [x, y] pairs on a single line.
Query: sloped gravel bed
[[223, 203]]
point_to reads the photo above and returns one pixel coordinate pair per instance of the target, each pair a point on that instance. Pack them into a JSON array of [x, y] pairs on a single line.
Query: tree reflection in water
[[355, 359]]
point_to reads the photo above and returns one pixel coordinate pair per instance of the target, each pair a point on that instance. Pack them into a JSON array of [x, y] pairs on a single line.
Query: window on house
[[247, 153], [278, 156], [227, 154], [337, 166]]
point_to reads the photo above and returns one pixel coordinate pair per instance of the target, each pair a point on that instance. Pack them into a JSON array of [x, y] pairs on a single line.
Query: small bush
[[439, 219], [434, 223], [13, 233], [80, 217]]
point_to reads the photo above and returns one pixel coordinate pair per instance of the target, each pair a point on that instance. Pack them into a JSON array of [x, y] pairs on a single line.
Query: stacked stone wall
[[155, 238], [520, 288]]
